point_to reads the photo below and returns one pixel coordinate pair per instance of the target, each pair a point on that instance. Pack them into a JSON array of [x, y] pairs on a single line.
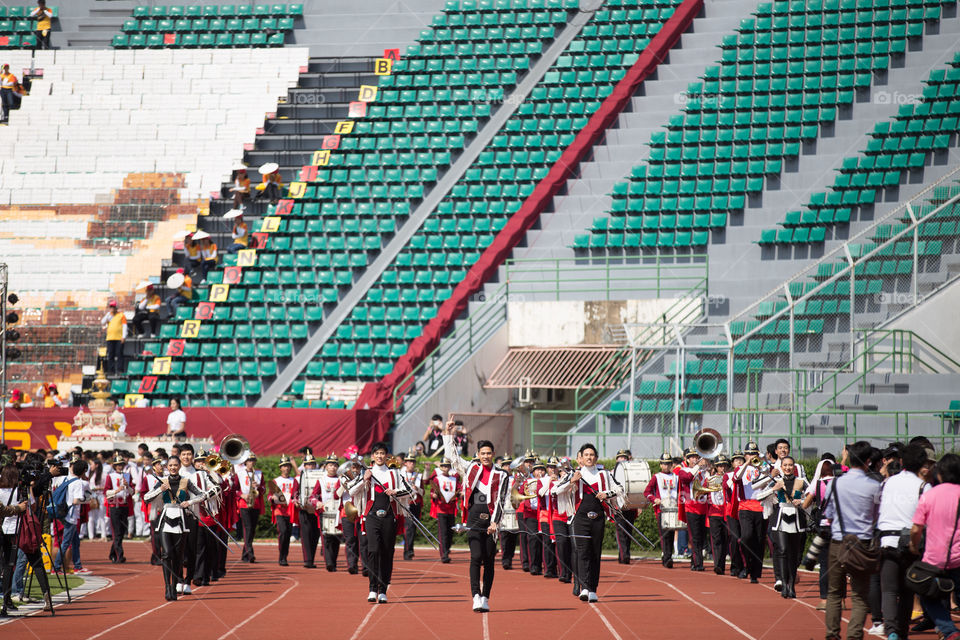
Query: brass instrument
[[530, 492], [755, 462], [235, 449], [708, 443], [713, 484], [217, 465], [350, 512]]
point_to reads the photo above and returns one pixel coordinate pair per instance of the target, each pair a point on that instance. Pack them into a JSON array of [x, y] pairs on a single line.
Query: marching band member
[[444, 491], [283, 512], [250, 489], [151, 478], [591, 487], [531, 521], [627, 516], [716, 514], [309, 512], [206, 565], [563, 510], [329, 495], [663, 493], [415, 479], [483, 492], [173, 496], [524, 519], [383, 489], [750, 512], [194, 537], [693, 507], [788, 522], [732, 518], [118, 489], [545, 516], [354, 543], [508, 537]]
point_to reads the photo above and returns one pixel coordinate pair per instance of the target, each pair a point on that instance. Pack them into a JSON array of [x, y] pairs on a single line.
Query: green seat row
[[223, 11]]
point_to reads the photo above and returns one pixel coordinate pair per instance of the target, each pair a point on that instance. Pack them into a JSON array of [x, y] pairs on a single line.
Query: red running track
[[427, 600]]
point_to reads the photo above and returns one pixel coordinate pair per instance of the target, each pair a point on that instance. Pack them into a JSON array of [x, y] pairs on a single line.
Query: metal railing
[[549, 280]]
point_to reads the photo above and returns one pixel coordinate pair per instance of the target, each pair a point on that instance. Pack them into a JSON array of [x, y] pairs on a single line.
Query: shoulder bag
[[928, 580], [856, 555]]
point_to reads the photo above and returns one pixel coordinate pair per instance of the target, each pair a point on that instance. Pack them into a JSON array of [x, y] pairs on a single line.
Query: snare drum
[[509, 522], [670, 520], [330, 525], [633, 476]]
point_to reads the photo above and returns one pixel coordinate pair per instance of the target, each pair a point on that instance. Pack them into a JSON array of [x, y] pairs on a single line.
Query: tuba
[[708, 443], [234, 449]]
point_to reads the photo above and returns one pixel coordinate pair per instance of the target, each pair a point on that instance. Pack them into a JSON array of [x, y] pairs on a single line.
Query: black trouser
[[191, 545], [733, 537], [897, 599], [410, 530], [118, 525], [310, 536], [6, 102], [207, 556], [718, 543], [331, 550], [752, 541], [549, 551], [221, 567], [534, 548], [564, 549], [623, 523], [666, 541], [152, 317], [283, 537], [589, 545], [770, 547], [445, 533], [154, 542], [114, 364], [381, 534], [874, 599], [522, 540], [171, 554], [483, 549], [508, 547], [248, 518], [697, 526], [351, 542], [785, 555], [8, 560]]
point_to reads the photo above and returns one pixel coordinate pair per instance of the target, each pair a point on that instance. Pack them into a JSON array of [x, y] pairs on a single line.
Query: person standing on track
[[309, 512], [508, 536], [118, 489], [283, 511], [415, 479], [328, 496], [484, 488], [591, 487], [383, 488], [662, 492], [444, 491], [250, 489], [627, 516]]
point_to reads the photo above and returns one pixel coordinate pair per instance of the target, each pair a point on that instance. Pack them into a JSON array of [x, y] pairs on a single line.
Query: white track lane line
[[128, 621], [486, 626], [606, 622], [363, 623], [705, 608], [296, 583]]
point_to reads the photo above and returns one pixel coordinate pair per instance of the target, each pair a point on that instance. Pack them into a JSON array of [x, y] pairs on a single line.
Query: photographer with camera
[[77, 493], [819, 551]]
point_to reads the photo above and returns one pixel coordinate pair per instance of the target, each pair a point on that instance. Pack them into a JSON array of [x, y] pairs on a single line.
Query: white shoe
[[179, 587], [584, 595], [476, 602], [372, 596], [592, 597], [876, 629], [186, 590], [484, 604], [778, 586], [382, 598]]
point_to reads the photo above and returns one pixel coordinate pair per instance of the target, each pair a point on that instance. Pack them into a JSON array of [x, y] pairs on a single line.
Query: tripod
[[62, 581], [34, 558]]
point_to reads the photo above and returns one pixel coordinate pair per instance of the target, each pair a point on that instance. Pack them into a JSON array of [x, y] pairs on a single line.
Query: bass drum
[[633, 476], [330, 523]]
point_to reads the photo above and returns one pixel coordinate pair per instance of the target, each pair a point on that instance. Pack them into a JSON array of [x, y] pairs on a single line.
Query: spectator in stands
[[49, 395], [19, 400], [851, 509], [240, 233], [272, 182], [433, 436], [192, 248], [935, 527], [8, 87], [176, 421], [148, 309], [208, 251], [460, 438], [183, 294], [44, 18], [240, 188]]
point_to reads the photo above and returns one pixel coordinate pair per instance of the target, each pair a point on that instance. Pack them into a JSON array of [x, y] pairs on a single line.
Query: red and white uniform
[[118, 489], [744, 495], [592, 480], [290, 490], [415, 481], [689, 502], [149, 481], [664, 487], [328, 492], [243, 488], [490, 481], [385, 479], [206, 511], [445, 487]]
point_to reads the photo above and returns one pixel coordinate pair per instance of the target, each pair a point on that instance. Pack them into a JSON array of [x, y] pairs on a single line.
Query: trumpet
[[216, 464]]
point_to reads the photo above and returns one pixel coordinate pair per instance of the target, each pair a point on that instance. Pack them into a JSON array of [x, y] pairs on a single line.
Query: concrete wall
[[573, 322], [934, 321]]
